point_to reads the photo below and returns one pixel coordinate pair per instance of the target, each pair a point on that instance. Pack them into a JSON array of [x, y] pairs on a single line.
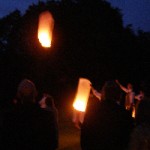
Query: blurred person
[[140, 137], [129, 98], [107, 125], [28, 127], [138, 99], [140, 96], [47, 104]]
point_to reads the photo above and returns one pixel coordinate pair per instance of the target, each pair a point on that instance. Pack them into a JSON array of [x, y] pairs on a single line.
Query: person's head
[[49, 101], [129, 86], [26, 91], [111, 91]]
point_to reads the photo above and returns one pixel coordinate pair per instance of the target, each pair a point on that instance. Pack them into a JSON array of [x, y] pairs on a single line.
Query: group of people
[[30, 124], [109, 125], [132, 100]]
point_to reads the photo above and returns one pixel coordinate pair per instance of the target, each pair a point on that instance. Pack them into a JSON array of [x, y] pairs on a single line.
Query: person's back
[[107, 127], [47, 104], [28, 127]]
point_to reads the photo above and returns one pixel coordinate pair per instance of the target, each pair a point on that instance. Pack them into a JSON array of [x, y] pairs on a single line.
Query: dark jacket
[[28, 127], [106, 126]]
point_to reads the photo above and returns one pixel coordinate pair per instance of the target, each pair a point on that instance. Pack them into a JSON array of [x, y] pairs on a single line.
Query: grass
[[69, 135]]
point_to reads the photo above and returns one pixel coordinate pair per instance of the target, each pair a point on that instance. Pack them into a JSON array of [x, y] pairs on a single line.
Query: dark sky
[[7, 6], [135, 12]]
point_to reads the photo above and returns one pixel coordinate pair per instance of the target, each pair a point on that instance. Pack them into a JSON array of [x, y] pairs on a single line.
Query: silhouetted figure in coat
[[28, 127], [107, 125]]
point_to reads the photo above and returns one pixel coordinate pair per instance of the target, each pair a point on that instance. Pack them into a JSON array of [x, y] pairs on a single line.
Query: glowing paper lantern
[[82, 95], [45, 28]]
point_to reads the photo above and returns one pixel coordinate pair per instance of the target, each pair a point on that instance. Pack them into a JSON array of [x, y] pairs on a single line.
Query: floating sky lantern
[[45, 28], [82, 95]]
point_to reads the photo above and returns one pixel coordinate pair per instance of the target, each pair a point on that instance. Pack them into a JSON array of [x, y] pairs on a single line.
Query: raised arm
[[96, 93], [122, 87]]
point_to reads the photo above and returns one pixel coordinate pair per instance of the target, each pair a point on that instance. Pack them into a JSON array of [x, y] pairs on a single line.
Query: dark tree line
[[89, 40]]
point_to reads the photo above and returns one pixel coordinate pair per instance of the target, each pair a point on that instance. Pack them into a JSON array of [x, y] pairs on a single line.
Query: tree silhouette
[[89, 40]]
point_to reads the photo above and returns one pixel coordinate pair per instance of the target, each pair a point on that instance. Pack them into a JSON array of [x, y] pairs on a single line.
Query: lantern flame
[[133, 112], [79, 105], [45, 28], [82, 95]]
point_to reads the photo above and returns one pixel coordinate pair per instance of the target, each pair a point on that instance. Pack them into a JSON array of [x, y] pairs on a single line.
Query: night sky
[[135, 12], [7, 6]]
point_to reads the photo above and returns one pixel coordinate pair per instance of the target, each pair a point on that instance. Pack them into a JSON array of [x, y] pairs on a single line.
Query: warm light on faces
[[129, 86]]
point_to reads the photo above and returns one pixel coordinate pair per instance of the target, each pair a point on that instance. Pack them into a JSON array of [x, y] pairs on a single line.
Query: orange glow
[[82, 95], [133, 112], [78, 118], [45, 28]]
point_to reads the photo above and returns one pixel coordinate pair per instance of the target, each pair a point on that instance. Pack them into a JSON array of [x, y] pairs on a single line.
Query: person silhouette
[[130, 95], [107, 125], [28, 127], [140, 136]]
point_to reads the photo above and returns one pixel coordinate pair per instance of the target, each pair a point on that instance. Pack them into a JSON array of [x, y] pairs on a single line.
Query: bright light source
[[82, 95], [45, 28]]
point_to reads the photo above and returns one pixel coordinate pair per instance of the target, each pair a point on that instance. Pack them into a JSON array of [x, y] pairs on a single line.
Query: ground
[[69, 135]]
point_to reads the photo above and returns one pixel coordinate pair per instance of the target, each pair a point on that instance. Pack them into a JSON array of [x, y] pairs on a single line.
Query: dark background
[[89, 40]]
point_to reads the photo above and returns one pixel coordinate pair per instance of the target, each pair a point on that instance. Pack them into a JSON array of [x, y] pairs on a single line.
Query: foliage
[[89, 40]]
